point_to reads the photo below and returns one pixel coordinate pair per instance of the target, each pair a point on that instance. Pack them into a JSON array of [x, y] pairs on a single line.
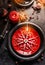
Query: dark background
[[5, 58]]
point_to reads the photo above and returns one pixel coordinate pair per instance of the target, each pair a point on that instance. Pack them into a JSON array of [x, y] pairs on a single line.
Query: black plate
[[27, 3], [37, 54]]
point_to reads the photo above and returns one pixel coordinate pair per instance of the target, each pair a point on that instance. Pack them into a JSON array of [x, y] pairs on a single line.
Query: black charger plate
[[19, 56], [29, 2]]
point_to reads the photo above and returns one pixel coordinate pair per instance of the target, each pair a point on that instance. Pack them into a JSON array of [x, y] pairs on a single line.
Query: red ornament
[[26, 41], [14, 16]]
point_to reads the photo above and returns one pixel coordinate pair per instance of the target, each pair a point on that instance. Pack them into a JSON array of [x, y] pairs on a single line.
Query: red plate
[[26, 41]]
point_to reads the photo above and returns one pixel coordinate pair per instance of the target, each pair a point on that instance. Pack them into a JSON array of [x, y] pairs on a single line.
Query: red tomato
[[14, 16]]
